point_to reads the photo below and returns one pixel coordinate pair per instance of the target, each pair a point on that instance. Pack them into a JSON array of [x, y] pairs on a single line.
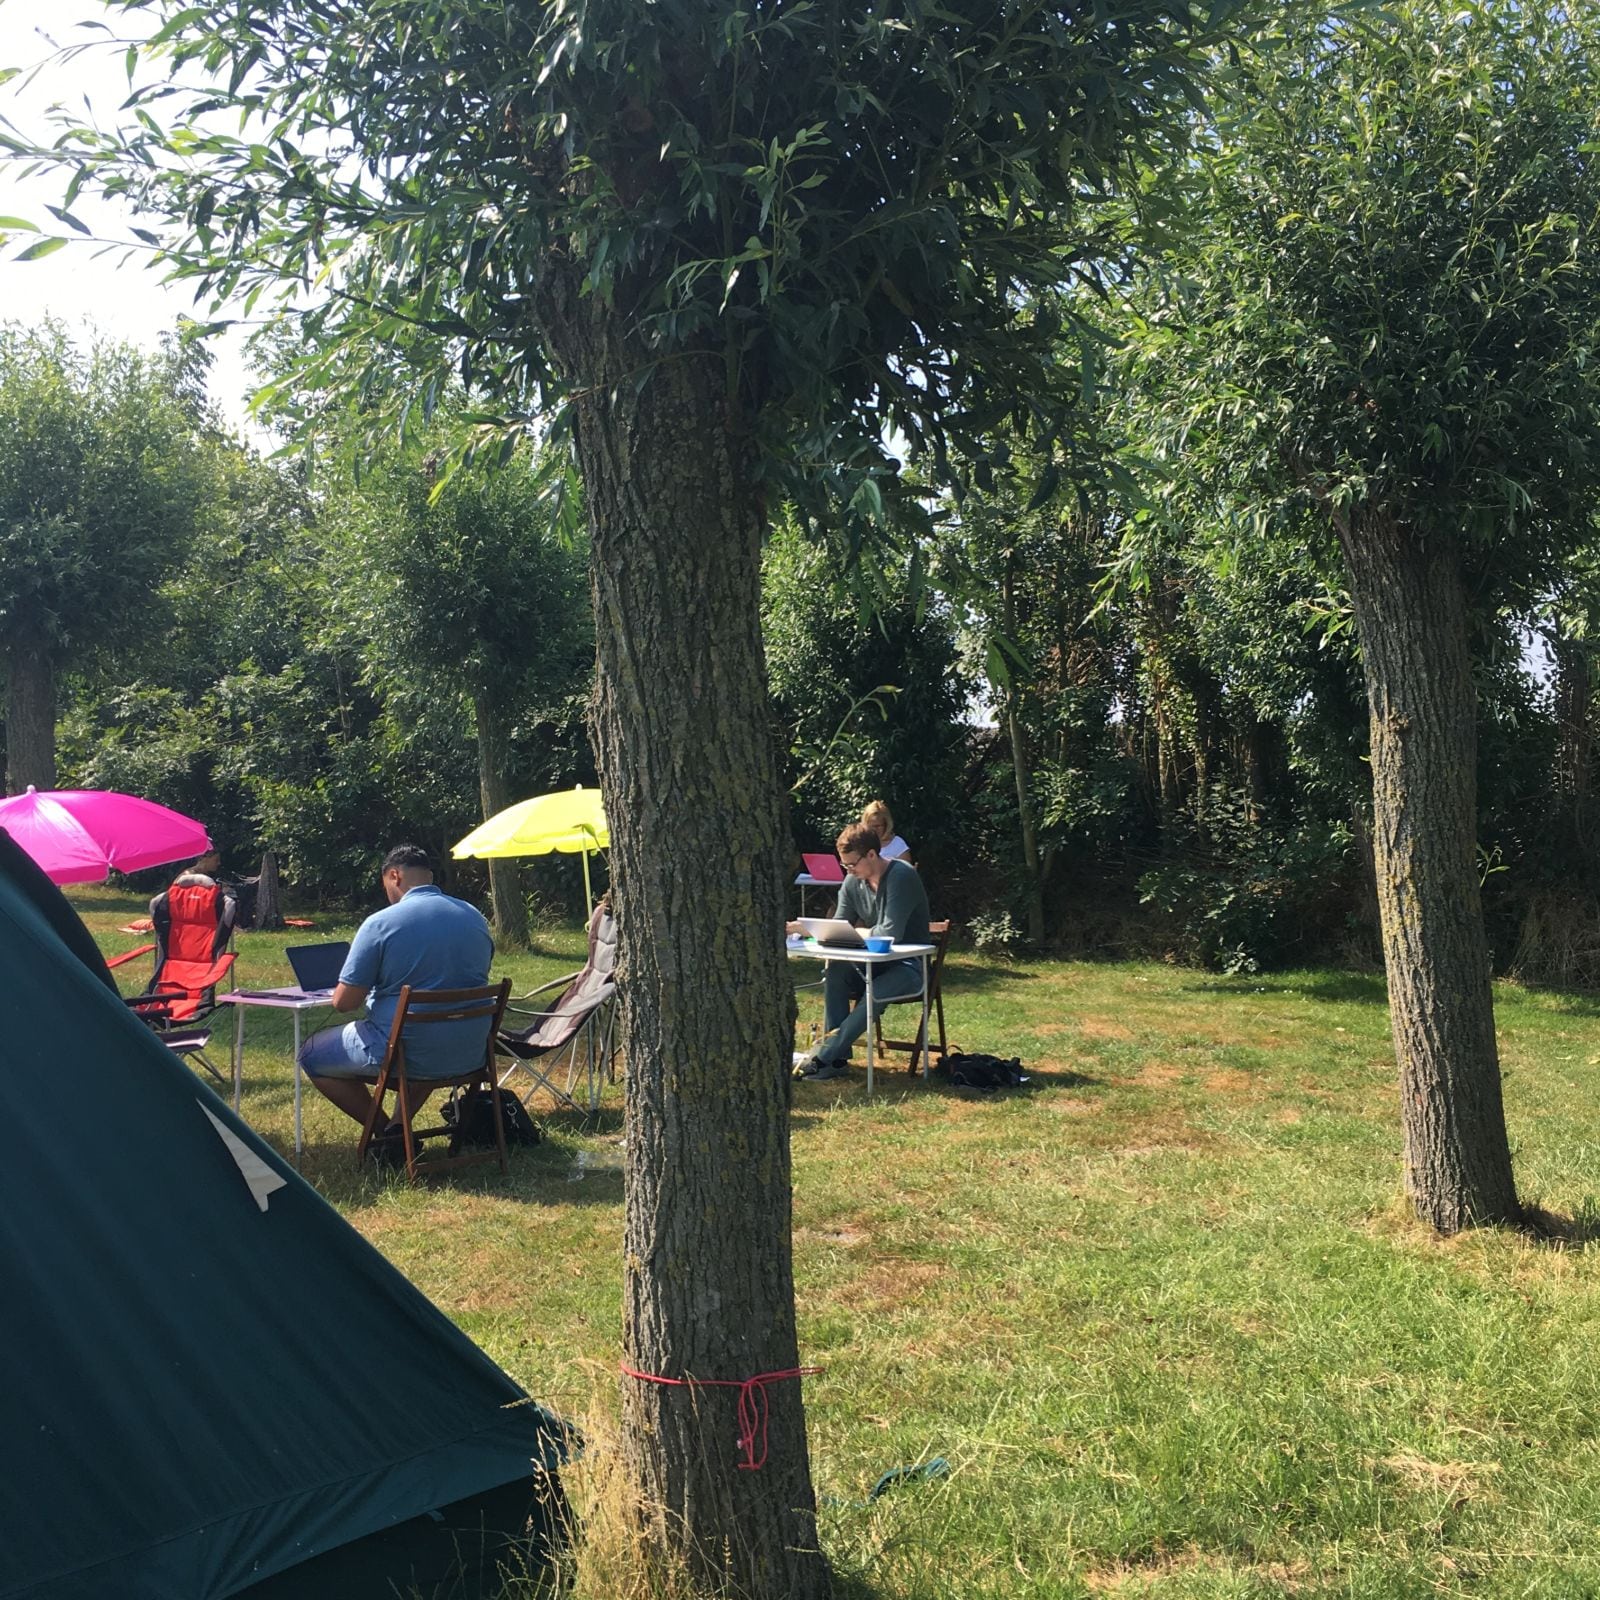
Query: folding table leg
[[294, 1067], [871, 1027], [238, 1057], [924, 1019]]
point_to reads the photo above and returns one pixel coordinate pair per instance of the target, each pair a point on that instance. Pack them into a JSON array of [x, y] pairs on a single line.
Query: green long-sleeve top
[[898, 910]]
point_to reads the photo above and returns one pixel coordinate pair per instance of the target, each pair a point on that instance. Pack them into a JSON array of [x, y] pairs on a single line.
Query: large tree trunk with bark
[[30, 716], [1411, 611], [505, 879], [688, 765]]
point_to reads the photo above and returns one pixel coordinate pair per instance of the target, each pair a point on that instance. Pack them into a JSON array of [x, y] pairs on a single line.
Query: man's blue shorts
[[346, 1050]]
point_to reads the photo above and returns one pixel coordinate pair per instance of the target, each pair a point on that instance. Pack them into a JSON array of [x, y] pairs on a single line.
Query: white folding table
[[799, 949], [295, 1000]]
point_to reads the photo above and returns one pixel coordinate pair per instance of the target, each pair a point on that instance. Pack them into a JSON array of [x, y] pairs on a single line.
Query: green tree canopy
[[470, 606], [102, 482]]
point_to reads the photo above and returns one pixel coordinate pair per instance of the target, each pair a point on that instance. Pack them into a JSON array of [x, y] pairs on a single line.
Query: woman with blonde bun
[[876, 816]]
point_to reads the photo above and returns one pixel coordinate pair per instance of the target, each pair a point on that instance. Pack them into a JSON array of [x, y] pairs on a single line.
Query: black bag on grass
[[478, 1130], [979, 1071]]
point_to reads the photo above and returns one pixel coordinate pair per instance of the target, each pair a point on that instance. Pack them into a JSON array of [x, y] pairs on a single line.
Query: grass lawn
[[1164, 1314]]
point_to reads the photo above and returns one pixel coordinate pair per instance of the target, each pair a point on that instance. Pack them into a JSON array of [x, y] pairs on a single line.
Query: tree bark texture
[[30, 717], [1411, 611], [505, 877], [688, 766]]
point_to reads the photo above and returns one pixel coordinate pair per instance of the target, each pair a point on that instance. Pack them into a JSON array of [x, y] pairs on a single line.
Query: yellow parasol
[[569, 821]]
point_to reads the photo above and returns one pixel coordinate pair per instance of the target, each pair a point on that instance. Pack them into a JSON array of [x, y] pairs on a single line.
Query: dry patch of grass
[[1103, 1028], [1456, 1481], [1132, 1578], [888, 1284], [1159, 1075]]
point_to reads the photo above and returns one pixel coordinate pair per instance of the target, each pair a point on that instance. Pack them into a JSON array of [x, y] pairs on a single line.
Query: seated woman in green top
[[887, 899]]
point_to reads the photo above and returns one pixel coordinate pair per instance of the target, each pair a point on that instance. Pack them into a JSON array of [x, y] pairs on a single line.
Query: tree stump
[[268, 913]]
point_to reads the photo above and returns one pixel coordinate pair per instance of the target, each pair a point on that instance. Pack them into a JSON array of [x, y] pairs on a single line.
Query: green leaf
[[1044, 490], [44, 247], [176, 24], [18, 225], [63, 215]]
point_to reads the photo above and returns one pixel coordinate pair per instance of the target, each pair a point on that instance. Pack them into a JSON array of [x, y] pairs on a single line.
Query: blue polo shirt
[[430, 940]]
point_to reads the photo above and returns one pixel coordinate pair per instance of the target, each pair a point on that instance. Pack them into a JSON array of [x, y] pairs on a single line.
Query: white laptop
[[833, 931]]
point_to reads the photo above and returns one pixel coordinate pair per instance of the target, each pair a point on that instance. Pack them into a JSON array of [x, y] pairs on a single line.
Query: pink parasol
[[79, 835]]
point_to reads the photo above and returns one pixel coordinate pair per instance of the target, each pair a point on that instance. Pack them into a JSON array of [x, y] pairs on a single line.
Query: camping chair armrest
[[154, 1007], [130, 955], [554, 983], [601, 995], [521, 1011], [218, 971]]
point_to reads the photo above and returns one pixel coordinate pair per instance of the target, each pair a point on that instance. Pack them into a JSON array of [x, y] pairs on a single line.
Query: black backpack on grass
[[478, 1131], [979, 1071]]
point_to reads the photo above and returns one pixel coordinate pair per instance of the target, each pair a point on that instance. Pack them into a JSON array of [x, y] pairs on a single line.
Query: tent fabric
[[188, 1403], [28, 878]]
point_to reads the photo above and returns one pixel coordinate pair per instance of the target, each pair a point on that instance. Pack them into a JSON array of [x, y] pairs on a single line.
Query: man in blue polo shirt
[[424, 938]]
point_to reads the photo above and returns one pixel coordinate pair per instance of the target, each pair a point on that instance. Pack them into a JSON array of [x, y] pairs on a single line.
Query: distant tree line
[[1103, 730]]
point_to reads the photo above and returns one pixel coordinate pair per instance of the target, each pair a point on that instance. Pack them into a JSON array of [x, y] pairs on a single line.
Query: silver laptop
[[833, 931]]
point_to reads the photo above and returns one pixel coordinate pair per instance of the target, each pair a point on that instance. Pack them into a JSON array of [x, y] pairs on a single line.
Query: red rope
[[754, 1406]]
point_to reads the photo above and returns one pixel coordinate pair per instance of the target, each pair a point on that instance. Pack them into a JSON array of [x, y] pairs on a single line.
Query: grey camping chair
[[581, 1015]]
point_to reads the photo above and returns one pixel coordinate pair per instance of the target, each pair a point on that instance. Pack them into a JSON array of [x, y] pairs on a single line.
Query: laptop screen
[[824, 868], [317, 966]]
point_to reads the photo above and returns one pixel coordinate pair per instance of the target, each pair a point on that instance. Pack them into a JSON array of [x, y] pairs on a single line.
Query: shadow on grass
[[1337, 988], [1559, 1231], [1561, 1002], [545, 1174], [899, 1089], [964, 977]]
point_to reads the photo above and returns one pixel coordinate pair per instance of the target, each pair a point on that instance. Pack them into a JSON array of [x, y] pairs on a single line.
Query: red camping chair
[[194, 924]]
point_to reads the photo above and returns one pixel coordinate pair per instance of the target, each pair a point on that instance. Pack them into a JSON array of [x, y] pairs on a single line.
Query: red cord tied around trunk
[[754, 1407]]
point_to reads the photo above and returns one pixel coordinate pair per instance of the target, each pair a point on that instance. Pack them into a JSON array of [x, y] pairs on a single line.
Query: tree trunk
[[1574, 746], [690, 776], [268, 912], [30, 717], [1411, 612], [1022, 771], [505, 879], [1266, 767]]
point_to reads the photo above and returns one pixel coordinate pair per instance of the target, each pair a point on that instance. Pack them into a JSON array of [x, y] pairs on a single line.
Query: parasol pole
[[588, 897]]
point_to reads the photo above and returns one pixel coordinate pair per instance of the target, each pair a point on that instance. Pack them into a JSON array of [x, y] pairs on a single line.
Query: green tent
[[213, 1385]]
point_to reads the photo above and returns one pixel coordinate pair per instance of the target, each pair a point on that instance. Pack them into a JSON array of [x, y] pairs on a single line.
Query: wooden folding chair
[[418, 1008], [939, 938]]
